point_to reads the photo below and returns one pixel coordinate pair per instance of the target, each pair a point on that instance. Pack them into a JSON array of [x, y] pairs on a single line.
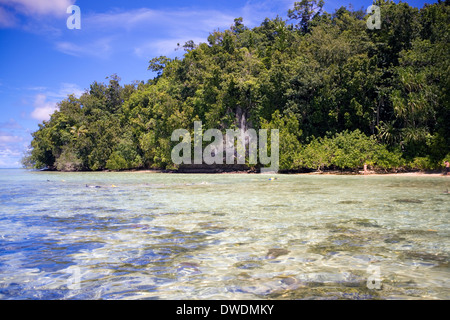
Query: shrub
[[424, 164], [68, 161], [318, 154]]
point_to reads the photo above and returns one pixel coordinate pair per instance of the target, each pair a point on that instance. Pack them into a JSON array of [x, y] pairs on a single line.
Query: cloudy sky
[[42, 61]]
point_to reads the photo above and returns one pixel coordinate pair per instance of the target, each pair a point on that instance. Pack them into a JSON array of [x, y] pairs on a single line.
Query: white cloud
[[34, 16], [68, 89], [121, 19], [39, 7], [45, 103], [37, 88], [164, 47], [149, 32], [64, 90], [7, 19], [10, 158], [69, 48], [43, 108], [254, 12], [9, 163], [10, 124], [161, 21], [11, 150], [140, 31], [5, 138], [100, 48]]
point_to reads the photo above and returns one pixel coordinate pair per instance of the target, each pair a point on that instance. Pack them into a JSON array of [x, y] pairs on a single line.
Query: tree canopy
[[342, 95]]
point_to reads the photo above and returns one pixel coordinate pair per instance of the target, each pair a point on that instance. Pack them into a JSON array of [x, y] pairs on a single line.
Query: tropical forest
[[341, 94]]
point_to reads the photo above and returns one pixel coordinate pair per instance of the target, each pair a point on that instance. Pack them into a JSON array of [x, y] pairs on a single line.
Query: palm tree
[[78, 131], [388, 133]]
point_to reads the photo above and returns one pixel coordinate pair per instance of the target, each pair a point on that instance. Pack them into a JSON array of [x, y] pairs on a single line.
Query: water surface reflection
[[160, 236]]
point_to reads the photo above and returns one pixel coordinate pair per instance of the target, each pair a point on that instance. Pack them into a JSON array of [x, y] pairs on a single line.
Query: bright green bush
[[424, 164]]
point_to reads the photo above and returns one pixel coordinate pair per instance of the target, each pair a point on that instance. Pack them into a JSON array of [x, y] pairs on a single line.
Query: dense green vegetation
[[341, 95]]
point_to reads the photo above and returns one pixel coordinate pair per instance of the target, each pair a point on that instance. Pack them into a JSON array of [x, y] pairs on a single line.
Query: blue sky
[[42, 61]]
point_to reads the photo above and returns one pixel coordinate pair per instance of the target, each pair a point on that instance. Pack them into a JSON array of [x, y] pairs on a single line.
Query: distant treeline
[[342, 95]]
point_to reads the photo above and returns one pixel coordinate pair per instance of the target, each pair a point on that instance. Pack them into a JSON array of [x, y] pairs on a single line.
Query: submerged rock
[[367, 223], [210, 227], [408, 200], [322, 286], [350, 202], [93, 187], [276, 252], [248, 264], [288, 281], [188, 268], [437, 258], [140, 226], [189, 265], [244, 275], [418, 232], [394, 239]]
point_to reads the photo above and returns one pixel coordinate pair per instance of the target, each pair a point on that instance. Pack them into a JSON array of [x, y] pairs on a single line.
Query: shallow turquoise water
[[232, 236]]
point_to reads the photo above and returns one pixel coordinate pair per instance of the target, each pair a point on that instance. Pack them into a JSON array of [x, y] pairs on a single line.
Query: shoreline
[[245, 172], [315, 173]]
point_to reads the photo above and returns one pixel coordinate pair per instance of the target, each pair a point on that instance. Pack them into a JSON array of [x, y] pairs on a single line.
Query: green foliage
[[340, 95], [424, 164], [388, 160], [318, 154], [27, 160], [289, 134], [305, 11], [158, 64], [126, 154], [348, 150], [68, 161], [354, 149]]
